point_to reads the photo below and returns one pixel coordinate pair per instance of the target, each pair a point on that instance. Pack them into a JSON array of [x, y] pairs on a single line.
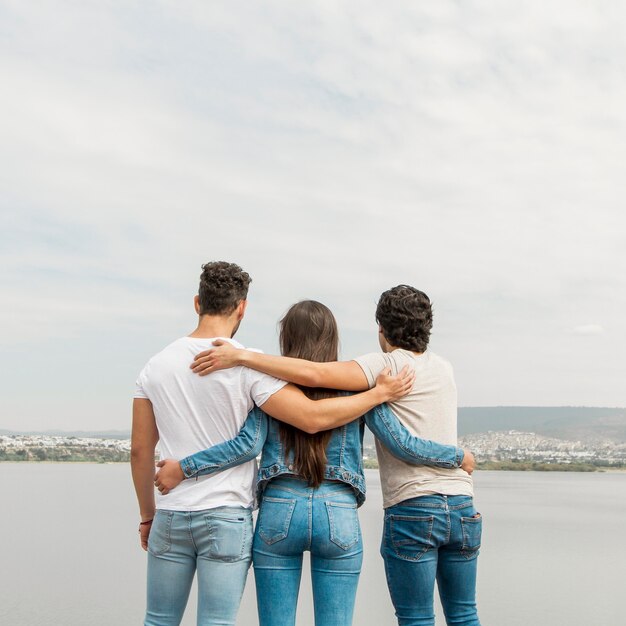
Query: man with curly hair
[[431, 528], [205, 525]]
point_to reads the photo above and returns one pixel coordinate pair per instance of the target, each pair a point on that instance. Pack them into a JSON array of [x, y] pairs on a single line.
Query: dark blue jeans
[[294, 518], [432, 538]]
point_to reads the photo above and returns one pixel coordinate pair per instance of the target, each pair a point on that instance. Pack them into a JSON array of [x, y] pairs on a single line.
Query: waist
[[302, 488], [437, 501], [337, 476]]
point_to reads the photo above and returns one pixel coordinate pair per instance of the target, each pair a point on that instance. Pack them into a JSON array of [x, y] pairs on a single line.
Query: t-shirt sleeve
[[262, 386], [140, 391], [373, 364]]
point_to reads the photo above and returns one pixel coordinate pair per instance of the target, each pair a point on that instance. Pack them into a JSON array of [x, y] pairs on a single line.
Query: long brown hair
[[309, 331]]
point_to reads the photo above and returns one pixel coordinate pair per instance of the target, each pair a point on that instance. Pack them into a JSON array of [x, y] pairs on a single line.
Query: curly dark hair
[[406, 317], [222, 287]]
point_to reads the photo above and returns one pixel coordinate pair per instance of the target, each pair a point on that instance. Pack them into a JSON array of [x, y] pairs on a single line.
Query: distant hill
[[566, 422], [573, 423], [95, 434]]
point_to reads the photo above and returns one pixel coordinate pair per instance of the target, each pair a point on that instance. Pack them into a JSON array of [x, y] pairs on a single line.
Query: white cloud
[[589, 329], [333, 149]]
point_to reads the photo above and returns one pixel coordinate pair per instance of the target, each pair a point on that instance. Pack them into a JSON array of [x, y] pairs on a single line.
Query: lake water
[[554, 550]]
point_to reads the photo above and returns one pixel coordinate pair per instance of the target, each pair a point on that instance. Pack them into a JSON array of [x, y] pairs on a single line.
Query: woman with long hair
[[310, 485]]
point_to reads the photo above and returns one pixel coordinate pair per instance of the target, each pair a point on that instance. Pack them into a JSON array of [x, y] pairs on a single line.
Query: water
[[554, 550]]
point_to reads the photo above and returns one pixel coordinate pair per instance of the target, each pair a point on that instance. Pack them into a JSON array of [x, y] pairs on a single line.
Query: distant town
[[515, 450], [63, 448], [506, 450]]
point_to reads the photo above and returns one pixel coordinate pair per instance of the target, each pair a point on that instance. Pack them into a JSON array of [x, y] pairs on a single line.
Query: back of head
[[406, 318], [222, 287], [309, 331]]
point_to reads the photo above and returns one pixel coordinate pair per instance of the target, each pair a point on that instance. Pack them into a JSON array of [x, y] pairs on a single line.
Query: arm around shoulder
[[346, 375], [292, 406]]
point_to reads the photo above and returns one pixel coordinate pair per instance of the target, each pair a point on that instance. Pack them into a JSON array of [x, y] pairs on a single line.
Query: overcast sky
[[476, 150]]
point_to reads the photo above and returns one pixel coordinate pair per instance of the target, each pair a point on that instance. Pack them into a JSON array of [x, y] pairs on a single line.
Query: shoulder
[[162, 358], [439, 361], [372, 364], [167, 351], [373, 360]]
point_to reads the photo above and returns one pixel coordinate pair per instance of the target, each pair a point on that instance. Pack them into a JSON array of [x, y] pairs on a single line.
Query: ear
[[241, 309], [196, 304], [382, 340]]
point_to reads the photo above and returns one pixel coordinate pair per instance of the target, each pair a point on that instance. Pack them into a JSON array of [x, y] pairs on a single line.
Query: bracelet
[[146, 522]]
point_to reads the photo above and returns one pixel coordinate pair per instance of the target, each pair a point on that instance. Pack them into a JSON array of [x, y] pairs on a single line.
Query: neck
[[214, 326], [390, 348]]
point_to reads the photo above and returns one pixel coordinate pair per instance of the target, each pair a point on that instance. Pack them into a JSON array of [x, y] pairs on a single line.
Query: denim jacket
[[344, 452]]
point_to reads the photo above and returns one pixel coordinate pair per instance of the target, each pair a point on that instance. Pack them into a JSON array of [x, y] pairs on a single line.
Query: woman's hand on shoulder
[[223, 356]]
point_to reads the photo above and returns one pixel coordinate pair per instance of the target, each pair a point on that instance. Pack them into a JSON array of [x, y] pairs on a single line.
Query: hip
[[294, 518]]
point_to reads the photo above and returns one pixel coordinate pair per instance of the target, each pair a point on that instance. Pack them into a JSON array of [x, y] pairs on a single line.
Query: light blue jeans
[[294, 518], [215, 542], [427, 538]]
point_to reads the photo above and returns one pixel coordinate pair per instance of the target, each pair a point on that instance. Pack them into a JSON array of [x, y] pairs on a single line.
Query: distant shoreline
[[489, 466]]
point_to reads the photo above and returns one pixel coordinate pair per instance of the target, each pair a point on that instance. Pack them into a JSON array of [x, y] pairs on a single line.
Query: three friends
[[311, 478]]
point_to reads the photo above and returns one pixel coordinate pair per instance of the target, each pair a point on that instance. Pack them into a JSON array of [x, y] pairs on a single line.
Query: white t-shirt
[[428, 411], [195, 412]]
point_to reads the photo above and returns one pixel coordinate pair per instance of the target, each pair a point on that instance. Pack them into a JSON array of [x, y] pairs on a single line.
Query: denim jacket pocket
[[411, 536], [344, 524], [472, 528], [159, 540], [230, 536], [275, 518]]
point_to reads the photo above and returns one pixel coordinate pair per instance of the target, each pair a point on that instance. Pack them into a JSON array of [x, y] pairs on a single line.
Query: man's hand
[[168, 476], [469, 462], [395, 387], [144, 533], [223, 356]]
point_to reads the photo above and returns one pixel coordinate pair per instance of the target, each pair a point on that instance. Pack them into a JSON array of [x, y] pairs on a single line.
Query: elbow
[[317, 424], [141, 452], [312, 377], [256, 450], [312, 426]]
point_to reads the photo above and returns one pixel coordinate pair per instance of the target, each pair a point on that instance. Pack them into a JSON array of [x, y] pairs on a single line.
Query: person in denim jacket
[[309, 486]]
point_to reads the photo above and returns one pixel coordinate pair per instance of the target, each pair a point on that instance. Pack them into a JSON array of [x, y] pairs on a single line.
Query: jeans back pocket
[[472, 528], [275, 518], [343, 520], [230, 536], [411, 536], [159, 539]]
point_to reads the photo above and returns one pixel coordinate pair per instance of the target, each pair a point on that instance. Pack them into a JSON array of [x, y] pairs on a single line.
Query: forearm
[[144, 438], [333, 375], [407, 447], [142, 468], [246, 446], [291, 406], [297, 371]]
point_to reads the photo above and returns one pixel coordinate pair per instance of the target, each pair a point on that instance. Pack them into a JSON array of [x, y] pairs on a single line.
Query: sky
[[472, 149]]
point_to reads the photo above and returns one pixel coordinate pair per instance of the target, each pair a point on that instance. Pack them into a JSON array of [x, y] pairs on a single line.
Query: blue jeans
[[215, 542], [428, 538], [293, 518]]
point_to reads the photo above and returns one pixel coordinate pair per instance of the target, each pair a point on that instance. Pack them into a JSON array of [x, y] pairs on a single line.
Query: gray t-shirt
[[429, 412]]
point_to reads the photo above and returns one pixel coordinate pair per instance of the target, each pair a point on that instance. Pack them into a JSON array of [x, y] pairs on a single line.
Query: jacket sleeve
[[402, 444], [247, 445]]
